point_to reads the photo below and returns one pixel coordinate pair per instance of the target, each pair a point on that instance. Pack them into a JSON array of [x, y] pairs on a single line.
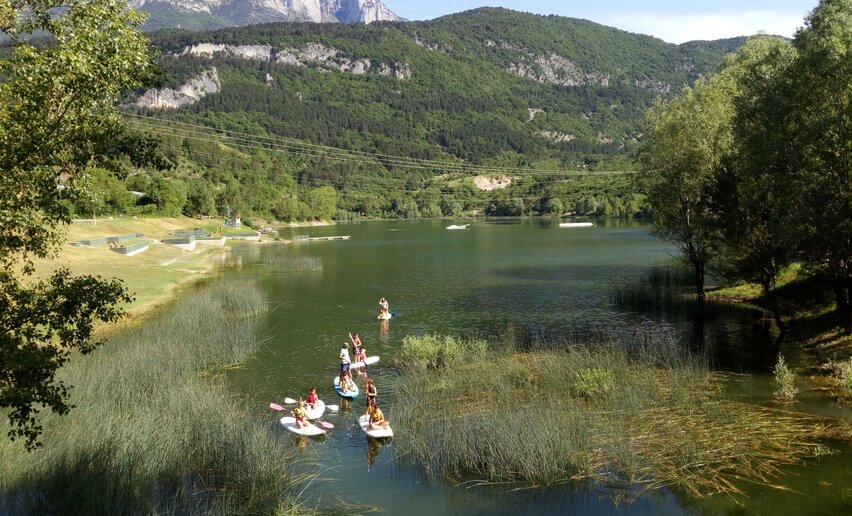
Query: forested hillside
[[545, 104]]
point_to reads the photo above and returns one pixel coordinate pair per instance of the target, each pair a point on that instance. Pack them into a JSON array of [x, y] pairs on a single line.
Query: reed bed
[[657, 418], [660, 290], [293, 263], [149, 434]]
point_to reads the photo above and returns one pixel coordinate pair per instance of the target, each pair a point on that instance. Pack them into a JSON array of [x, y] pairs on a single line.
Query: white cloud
[[677, 28]]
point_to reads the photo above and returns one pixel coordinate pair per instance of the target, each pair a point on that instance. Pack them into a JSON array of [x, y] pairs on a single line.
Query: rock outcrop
[[312, 54], [187, 93], [237, 12]]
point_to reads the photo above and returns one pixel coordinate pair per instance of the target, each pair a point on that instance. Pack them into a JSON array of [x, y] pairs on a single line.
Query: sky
[[674, 21]]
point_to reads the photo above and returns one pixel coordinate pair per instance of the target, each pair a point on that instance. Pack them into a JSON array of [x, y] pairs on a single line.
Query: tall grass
[[149, 434], [293, 263], [655, 416]]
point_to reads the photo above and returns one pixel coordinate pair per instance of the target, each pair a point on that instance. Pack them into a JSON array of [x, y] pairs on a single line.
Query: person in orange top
[[300, 415], [377, 418]]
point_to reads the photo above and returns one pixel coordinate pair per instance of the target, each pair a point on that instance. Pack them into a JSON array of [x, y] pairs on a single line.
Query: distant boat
[[459, 226], [575, 224]]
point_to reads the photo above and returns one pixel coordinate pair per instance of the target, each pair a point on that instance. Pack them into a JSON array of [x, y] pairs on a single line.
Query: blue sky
[[674, 21]]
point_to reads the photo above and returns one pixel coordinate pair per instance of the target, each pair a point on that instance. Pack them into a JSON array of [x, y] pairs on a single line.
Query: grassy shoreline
[[150, 434], [157, 276]]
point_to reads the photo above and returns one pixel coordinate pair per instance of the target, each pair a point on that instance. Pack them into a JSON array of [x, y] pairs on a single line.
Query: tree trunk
[[774, 306], [698, 323], [844, 308], [699, 284]]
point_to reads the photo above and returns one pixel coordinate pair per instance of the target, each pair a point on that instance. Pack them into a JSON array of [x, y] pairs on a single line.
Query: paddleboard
[[370, 360], [311, 430], [316, 413], [575, 225], [387, 315], [378, 433], [352, 393]]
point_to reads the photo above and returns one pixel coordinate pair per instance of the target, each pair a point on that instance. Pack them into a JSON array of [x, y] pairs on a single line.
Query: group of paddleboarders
[[300, 410], [347, 384]]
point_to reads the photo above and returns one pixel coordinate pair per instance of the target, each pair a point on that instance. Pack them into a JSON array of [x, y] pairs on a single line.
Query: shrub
[[593, 381], [784, 381], [435, 352]]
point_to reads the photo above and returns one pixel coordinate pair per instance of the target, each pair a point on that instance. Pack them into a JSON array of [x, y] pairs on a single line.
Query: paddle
[[275, 406]]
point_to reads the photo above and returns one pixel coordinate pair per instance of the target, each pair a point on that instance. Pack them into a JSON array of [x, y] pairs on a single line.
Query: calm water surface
[[475, 281]]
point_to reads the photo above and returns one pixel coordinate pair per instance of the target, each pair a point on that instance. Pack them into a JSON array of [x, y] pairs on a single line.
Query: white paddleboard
[[378, 433], [575, 224], [315, 413], [387, 315], [352, 393], [370, 360], [290, 424]]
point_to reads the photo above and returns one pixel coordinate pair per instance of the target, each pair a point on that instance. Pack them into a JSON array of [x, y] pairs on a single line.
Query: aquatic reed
[[502, 416], [149, 434], [280, 260], [660, 290]]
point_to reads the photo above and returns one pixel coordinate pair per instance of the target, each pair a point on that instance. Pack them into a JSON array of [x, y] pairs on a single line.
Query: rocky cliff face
[[312, 54], [237, 12], [187, 93]]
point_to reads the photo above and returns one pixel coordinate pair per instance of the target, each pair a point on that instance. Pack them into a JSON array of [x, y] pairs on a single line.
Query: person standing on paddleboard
[[372, 392], [356, 346], [344, 360], [383, 304]]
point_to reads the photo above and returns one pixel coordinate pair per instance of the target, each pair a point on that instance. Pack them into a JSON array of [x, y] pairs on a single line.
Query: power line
[[295, 147]]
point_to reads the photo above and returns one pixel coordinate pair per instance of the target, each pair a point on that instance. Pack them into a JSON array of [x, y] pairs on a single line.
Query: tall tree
[[688, 148], [821, 111], [56, 120], [757, 216]]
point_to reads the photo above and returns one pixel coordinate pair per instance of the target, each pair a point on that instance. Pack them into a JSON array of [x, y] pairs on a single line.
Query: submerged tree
[[56, 121]]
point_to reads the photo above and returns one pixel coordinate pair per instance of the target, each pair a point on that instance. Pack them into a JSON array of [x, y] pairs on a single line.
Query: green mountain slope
[[488, 87]]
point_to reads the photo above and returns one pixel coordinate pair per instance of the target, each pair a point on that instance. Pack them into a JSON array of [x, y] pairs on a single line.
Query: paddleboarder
[[372, 392], [345, 362], [377, 418]]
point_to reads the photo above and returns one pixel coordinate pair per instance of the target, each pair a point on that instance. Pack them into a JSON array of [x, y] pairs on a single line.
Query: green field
[[152, 275]]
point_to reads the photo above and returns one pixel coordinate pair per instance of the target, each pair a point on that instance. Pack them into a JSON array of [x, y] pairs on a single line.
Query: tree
[[757, 215], [322, 202], [200, 199], [450, 206], [821, 173], [168, 194], [104, 194], [56, 119], [687, 150]]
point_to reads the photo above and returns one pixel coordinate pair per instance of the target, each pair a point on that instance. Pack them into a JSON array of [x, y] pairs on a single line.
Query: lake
[[475, 281]]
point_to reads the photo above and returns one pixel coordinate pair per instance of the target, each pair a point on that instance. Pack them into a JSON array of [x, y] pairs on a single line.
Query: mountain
[[211, 14], [489, 87]]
